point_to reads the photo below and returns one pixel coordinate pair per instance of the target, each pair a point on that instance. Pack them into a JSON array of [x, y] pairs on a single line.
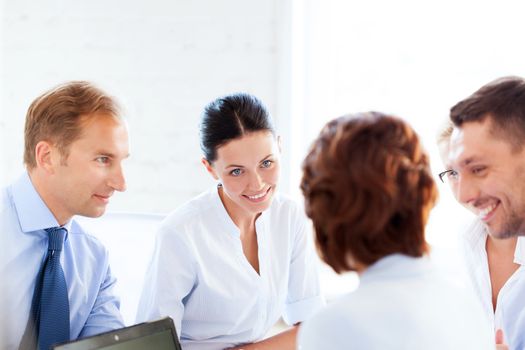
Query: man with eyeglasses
[[485, 167]]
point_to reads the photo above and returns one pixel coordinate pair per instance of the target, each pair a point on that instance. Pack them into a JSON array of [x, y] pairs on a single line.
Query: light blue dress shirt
[[23, 217]]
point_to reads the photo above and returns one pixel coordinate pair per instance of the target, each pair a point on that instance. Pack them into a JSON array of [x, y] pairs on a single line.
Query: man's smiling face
[[488, 177]]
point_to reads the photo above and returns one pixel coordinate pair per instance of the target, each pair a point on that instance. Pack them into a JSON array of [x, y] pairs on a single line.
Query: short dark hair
[[57, 115], [368, 190], [503, 102], [230, 117]]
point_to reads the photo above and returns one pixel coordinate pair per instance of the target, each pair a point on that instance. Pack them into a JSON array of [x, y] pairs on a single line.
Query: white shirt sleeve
[[304, 293], [169, 278]]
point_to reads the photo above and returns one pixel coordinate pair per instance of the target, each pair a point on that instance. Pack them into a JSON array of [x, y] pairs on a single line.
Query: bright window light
[[413, 59]]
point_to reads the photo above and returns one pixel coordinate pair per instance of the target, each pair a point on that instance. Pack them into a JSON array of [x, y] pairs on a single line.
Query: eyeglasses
[[447, 175]]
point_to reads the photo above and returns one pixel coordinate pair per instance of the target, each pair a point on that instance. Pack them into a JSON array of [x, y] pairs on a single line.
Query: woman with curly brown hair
[[368, 190]]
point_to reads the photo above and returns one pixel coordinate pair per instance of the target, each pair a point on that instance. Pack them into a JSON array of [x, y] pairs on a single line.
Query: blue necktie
[[50, 307]]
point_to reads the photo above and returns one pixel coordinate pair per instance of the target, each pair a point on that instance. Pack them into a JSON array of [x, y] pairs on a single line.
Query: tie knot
[[56, 238]]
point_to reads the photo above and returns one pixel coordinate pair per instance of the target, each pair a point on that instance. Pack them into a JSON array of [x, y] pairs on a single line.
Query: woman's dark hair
[[230, 117], [368, 190]]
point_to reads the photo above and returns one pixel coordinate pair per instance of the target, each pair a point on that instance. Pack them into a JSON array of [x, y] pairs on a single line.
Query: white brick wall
[[163, 59]]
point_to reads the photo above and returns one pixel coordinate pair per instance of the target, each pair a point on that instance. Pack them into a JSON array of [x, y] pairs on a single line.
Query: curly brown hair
[[368, 190]]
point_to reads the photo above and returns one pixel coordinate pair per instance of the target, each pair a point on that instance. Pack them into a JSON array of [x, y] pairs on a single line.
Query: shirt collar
[[519, 253], [225, 217], [395, 266], [33, 214], [476, 237]]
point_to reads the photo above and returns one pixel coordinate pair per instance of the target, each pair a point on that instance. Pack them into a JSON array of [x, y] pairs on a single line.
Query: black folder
[[158, 335]]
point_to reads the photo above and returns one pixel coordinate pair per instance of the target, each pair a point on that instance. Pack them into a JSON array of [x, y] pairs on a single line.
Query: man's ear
[[45, 156], [209, 168]]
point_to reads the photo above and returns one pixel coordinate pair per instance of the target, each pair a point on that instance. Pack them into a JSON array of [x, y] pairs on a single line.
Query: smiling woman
[[229, 263], [248, 170]]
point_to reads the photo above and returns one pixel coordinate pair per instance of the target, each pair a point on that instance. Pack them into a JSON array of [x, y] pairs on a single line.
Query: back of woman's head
[[230, 117], [368, 190]]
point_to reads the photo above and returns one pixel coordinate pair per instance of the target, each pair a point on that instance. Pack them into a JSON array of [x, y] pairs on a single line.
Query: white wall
[[163, 59]]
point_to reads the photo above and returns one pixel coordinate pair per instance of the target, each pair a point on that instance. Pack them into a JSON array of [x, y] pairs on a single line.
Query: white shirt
[[201, 278], [510, 306], [401, 303]]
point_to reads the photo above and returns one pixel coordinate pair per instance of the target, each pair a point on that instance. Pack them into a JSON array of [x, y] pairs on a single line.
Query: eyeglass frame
[[442, 174]]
